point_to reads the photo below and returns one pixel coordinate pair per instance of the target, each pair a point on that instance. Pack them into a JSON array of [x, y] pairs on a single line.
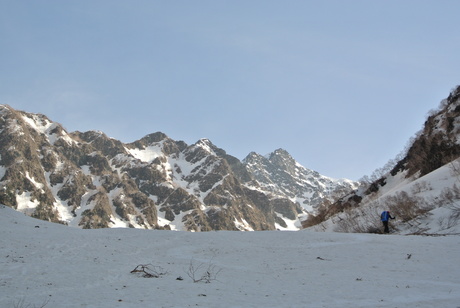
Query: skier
[[385, 216]]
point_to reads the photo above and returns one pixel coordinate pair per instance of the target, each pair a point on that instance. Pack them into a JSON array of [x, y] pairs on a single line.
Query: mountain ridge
[[421, 188], [90, 180]]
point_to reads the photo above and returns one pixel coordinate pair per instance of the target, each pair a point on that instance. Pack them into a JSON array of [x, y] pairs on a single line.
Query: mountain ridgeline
[[88, 180], [422, 188]]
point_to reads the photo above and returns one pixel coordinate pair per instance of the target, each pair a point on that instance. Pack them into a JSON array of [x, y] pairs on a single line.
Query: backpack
[[384, 216]]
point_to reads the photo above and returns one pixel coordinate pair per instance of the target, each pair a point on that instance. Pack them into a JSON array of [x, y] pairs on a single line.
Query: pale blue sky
[[341, 85]]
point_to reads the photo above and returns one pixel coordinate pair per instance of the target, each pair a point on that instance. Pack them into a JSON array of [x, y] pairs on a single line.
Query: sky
[[341, 85]]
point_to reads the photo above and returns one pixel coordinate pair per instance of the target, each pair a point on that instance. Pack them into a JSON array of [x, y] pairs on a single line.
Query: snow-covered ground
[[51, 265], [436, 205]]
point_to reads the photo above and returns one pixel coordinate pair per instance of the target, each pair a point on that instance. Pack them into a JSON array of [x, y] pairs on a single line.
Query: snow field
[[69, 267]]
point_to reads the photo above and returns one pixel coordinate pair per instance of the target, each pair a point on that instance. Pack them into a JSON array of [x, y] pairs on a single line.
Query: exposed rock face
[[436, 145], [93, 181], [280, 174], [67, 178]]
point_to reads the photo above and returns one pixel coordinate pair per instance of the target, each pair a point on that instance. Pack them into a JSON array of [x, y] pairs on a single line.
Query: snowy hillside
[[426, 205], [49, 265], [422, 189]]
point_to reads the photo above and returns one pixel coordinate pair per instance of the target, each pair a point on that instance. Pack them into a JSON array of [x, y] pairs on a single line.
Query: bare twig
[[198, 273], [149, 271]]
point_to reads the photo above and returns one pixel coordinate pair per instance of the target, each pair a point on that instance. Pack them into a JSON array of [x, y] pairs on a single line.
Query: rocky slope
[[92, 181], [281, 175], [424, 183]]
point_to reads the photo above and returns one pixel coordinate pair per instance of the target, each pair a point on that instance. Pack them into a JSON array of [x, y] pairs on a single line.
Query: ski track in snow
[[68, 267]]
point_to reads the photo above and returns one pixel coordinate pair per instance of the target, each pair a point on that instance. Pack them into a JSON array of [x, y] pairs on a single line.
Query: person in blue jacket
[[385, 216]]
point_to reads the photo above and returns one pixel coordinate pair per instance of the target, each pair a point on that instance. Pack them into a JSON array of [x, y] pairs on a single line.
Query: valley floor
[[50, 265]]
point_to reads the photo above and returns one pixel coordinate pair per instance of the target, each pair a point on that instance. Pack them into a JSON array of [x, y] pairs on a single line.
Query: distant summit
[[88, 180], [280, 174]]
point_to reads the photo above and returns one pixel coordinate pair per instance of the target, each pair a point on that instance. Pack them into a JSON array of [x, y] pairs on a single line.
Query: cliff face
[[438, 143], [89, 180], [281, 175]]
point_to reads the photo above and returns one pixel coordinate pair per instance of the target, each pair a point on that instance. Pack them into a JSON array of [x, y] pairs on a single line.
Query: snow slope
[[436, 196], [45, 263]]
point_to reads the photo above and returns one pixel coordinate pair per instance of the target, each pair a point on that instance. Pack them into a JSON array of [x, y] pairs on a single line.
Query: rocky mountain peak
[[283, 160], [206, 145], [152, 139], [280, 174], [253, 157], [281, 153], [90, 180]]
